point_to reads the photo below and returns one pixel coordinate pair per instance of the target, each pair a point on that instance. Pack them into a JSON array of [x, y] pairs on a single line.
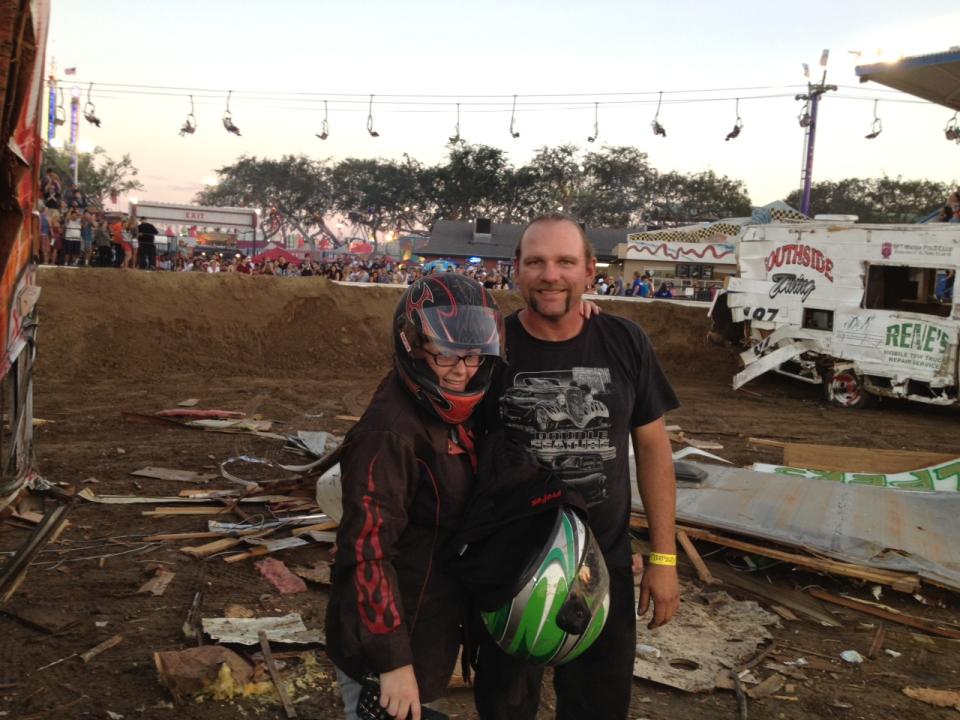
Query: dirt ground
[[301, 351]]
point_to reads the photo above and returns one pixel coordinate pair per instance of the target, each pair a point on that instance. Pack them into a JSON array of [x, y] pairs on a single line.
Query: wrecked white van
[[864, 310]]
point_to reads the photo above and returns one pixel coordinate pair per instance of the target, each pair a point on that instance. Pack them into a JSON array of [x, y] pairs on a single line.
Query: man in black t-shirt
[[576, 392], [146, 235]]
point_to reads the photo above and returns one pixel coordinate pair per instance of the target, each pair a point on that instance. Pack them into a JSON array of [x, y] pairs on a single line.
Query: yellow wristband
[[663, 559]]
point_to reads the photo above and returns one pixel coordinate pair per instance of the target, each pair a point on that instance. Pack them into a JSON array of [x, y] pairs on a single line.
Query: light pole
[[808, 120], [75, 130]]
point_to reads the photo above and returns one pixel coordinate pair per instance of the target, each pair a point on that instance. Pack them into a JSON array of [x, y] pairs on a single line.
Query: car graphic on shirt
[[545, 403], [582, 472]]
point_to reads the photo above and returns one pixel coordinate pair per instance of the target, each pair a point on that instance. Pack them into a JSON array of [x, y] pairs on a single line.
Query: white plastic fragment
[[648, 652], [892, 653], [852, 657]]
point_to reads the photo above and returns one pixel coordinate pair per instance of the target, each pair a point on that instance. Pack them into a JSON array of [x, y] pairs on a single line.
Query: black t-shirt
[[574, 403], [147, 232]]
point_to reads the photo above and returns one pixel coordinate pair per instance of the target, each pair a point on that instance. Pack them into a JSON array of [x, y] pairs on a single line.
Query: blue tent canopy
[[933, 77]]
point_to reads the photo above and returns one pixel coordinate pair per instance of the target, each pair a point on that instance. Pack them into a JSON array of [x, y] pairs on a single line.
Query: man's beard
[[535, 305]]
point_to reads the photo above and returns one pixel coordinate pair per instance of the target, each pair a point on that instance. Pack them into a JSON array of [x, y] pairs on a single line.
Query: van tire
[[845, 389]]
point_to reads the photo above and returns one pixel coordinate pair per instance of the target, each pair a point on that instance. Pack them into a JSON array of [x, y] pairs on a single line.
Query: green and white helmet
[[562, 601]]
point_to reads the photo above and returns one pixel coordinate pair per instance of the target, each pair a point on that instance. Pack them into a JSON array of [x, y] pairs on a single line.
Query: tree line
[[613, 186]]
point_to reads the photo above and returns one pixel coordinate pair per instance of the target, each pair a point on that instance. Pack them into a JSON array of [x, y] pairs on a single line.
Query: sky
[[283, 58]]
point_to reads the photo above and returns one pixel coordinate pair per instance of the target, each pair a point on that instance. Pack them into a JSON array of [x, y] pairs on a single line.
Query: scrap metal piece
[[245, 631], [16, 567]]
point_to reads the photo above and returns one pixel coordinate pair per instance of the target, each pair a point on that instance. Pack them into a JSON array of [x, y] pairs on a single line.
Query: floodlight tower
[[808, 120]]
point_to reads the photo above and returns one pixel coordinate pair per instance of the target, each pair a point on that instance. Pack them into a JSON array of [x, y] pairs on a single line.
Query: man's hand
[[588, 309], [399, 694], [659, 583]]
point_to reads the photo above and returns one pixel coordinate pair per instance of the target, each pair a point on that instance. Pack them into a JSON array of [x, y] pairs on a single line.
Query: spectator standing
[[86, 236], [147, 235], [45, 251], [72, 237], [130, 234], [101, 241], [119, 244]]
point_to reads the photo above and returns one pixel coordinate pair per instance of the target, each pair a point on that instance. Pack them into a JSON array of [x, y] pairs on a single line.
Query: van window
[[909, 289]]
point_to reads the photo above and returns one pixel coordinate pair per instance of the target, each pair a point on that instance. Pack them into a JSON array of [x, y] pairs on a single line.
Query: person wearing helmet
[[407, 469], [575, 394]]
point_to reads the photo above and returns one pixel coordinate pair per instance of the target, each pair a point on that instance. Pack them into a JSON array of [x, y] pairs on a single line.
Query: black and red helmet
[[457, 314]]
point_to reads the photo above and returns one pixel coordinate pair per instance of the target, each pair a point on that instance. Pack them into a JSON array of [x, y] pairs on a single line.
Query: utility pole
[[808, 120]]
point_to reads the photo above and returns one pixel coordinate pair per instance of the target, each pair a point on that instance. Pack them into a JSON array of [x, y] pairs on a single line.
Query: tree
[[875, 200], [617, 188], [380, 195], [293, 193], [99, 181], [698, 197], [472, 183]]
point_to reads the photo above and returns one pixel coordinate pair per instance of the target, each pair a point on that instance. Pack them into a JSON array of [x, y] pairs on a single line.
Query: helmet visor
[[588, 591], [457, 330]]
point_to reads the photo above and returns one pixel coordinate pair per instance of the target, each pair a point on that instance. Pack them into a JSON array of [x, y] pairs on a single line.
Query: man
[[575, 392], [147, 234]]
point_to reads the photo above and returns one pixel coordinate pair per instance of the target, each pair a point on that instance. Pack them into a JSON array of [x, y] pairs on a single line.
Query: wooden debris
[[319, 573], [704, 444], [50, 620], [319, 527], [797, 601], [899, 581], [789, 671], [877, 643], [102, 647], [771, 686], [899, 618], [158, 584], [347, 418], [233, 610], [160, 473], [268, 546], [855, 459], [177, 537], [701, 567], [224, 543], [191, 672], [275, 675], [935, 697], [166, 511], [766, 442], [783, 612]]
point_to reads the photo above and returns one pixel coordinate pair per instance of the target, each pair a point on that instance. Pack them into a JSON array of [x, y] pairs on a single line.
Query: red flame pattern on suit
[[376, 604]]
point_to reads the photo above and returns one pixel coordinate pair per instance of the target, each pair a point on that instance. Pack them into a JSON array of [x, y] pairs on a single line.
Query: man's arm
[[657, 486]]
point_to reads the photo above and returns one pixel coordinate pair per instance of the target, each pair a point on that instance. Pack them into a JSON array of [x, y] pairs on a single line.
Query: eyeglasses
[[447, 360]]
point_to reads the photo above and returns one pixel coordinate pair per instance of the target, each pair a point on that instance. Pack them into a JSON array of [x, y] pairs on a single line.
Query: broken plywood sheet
[[243, 631], [864, 460], [872, 527], [711, 634], [187, 476]]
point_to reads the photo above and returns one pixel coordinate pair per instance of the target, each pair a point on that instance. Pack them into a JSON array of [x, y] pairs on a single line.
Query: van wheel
[[845, 389]]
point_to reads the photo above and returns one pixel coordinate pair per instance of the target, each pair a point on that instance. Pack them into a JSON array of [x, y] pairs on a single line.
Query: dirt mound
[[135, 325]]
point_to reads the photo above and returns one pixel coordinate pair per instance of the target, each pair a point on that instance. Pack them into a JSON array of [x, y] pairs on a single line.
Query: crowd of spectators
[[643, 286], [72, 232]]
